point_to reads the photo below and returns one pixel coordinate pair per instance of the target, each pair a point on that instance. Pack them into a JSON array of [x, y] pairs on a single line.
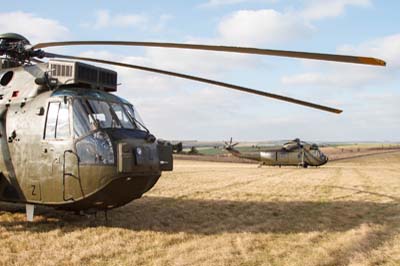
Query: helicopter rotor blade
[[231, 49], [200, 79]]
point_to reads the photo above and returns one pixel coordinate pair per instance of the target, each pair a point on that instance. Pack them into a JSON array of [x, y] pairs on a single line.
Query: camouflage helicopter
[[295, 152], [66, 141]]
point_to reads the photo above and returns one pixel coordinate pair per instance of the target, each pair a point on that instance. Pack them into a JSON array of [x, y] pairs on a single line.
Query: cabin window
[[57, 122], [63, 129], [95, 149], [82, 119]]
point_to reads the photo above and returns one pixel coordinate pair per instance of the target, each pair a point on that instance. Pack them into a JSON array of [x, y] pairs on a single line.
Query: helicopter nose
[[324, 158]]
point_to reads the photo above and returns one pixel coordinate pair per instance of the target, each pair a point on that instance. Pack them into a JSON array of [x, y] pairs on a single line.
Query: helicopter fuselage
[[285, 157], [73, 146]]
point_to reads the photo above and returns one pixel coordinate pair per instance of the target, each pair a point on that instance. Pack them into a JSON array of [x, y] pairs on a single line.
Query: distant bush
[[193, 151]]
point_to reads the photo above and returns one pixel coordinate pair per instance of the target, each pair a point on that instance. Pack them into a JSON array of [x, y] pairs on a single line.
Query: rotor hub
[[13, 37], [16, 48]]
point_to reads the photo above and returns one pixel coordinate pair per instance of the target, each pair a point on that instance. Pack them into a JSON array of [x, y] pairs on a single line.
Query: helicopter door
[[64, 173], [283, 157], [72, 184]]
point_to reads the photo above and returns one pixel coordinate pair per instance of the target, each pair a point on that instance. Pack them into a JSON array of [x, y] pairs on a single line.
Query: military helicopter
[[295, 152], [67, 142]]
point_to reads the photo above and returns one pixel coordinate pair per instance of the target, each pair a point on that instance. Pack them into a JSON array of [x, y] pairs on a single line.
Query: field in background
[[210, 213]]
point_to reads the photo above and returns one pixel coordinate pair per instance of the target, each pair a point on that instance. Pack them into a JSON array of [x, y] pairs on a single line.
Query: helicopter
[[67, 141], [294, 152]]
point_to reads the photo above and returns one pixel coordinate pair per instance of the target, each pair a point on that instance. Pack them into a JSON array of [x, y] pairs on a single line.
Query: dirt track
[[205, 213]]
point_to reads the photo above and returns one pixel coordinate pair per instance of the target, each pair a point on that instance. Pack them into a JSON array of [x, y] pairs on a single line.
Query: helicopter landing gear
[[106, 216], [30, 209], [260, 165]]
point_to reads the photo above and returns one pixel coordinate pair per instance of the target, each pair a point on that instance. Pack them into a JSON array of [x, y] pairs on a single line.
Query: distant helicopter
[[66, 141], [295, 153]]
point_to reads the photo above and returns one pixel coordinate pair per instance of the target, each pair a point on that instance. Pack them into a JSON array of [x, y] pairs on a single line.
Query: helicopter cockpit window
[[123, 116], [105, 117], [90, 114], [134, 114], [81, 118], [314, 147], [57, 122]]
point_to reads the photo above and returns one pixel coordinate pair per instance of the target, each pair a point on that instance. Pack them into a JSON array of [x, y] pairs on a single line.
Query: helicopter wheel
[[305, 165]]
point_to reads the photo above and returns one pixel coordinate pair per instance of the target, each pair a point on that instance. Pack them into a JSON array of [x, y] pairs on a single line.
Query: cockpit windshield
[[134, 114], [90, 114], [314, 147], [122, 116], [102, 114]]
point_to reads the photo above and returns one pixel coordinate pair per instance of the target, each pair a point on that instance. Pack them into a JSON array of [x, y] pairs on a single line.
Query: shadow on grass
[[195, 216], [360, 191]]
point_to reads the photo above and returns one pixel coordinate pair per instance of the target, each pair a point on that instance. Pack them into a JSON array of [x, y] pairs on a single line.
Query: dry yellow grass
[[345, 213]]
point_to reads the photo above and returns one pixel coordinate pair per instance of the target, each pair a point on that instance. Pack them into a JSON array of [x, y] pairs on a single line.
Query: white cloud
[[269, 26], [200, 63], [178, 109], [168, 103], [387, 48], [259, 27], [353, 76], [368, 94], [105, 19], [157, 84], [33, 27], [174, 108], [244, 27], [204, 63], [154, 83], [339, 77], [320, 9], [218, 3]]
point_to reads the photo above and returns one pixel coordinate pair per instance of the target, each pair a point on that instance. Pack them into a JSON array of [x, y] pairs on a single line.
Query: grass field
[[204, 213]]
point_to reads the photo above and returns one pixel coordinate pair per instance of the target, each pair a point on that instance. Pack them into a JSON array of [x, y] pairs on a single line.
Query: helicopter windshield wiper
[[138, 122]]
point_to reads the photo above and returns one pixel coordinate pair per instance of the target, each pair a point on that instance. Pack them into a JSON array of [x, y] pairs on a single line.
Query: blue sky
[[176, 109]]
